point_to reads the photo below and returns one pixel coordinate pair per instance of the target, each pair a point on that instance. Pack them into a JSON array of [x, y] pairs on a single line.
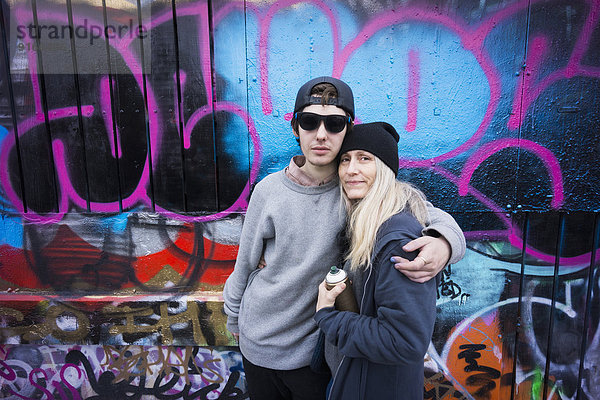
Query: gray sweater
[[272, 308], [296, 226]]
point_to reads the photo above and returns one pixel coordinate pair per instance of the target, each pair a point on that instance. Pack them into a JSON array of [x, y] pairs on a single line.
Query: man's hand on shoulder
[[434, 254]]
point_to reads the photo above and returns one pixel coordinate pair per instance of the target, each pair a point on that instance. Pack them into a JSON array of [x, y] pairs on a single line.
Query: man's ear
[[294, 126]]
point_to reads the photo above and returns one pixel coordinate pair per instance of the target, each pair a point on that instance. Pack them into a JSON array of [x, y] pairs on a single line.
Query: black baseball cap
[[344, 99]]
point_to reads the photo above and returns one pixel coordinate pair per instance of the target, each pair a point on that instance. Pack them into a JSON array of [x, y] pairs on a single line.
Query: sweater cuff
[[322, 313], [232, 324]]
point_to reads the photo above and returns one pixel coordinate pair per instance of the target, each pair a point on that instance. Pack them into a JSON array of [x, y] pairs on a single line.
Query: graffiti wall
[[132, 133]]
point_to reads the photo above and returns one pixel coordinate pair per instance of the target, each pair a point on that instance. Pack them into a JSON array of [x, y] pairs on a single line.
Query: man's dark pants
[[297, 384]]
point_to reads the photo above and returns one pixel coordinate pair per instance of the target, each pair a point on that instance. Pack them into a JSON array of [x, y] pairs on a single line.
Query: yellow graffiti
[[127, 362], [437, 387], [163, 325], [120, 320], [34, 332], [218, 320], [134, 361]]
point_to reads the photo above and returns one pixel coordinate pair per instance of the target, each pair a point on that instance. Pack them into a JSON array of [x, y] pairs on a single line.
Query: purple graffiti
[[38, 386], [9, 375]]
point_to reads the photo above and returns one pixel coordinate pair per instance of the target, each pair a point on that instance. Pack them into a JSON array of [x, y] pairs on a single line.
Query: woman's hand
[[327, 297]]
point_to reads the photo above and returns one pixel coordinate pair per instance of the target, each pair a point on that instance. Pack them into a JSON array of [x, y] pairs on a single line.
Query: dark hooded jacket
[[384, 345]]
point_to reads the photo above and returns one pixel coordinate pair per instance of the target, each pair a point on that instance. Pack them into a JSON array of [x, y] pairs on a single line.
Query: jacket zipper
[[363, 372], [362, 299], [365, 288]]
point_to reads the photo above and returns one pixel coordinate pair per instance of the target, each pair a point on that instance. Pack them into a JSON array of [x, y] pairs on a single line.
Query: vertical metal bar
[[44, 100], [112, 102], [588, 308], [13, 108], [78, 99], [212, 89], [559, 242], [145, 90], [519, 305], [179, 104]]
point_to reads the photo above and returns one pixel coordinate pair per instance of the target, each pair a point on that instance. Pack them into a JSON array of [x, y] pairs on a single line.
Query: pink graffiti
[[528, 92], [108, 118], [139, 195], [178, 106], [512, 233], [242, 200], [414, 80], [9, 143], [267, 104], [538, 48], [492, 148], [472, 38], [470, 42], [515, 238]]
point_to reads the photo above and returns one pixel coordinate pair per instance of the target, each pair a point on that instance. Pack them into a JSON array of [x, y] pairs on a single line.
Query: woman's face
[[357, 171]]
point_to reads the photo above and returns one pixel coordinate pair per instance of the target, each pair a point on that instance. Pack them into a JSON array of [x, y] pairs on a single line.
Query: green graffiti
[[537, 384]]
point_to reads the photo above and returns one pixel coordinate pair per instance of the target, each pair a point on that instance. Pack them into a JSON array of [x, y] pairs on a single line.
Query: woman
[[383, 346]]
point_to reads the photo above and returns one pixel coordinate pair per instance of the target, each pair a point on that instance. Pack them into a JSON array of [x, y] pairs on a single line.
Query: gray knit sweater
[[296, 226], [273, 308]]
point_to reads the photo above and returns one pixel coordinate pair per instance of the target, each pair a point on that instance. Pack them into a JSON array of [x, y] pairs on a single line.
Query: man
[[294, 219]]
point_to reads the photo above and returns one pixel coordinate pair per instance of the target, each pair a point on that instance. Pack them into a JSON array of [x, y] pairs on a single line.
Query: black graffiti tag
[[449, 288], [106, 388], [441, 388], [485, 379]]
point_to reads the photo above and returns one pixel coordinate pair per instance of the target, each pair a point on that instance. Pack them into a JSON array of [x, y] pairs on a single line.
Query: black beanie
[[378, 138]]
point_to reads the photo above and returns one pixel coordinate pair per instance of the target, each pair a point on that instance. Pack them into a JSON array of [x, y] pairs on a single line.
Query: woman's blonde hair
[[386, 197]]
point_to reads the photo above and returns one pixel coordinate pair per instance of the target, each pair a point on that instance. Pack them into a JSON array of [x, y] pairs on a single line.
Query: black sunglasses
[[311, 121]]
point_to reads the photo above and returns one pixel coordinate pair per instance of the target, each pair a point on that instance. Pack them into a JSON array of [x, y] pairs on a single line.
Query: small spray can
[[346, 300]]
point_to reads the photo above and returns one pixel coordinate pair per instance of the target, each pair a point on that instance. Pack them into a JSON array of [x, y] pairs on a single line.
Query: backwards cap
[[344, 99], [378, 138]]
